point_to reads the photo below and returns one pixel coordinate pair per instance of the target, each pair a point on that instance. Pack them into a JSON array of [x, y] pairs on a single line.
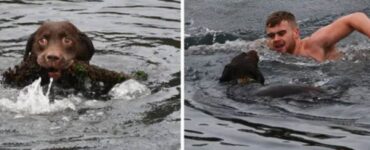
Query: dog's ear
[[29, 46], [87, 43], [226, 74], [259, 77]]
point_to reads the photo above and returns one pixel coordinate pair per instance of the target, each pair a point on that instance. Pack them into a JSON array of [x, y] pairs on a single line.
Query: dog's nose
[[52, 57]]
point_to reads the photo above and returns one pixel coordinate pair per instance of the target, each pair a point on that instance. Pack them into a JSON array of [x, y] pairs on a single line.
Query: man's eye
[[271, 35], [281, 33]]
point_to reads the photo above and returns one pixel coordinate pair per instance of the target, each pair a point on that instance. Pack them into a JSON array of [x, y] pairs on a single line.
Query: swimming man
[[283, 35]]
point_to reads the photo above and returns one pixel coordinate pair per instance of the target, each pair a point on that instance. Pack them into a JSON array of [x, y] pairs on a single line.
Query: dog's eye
[[67, 41], [43, 42]]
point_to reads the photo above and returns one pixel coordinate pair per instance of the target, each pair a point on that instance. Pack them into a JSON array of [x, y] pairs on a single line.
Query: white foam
[[32, 100], [130, 89]]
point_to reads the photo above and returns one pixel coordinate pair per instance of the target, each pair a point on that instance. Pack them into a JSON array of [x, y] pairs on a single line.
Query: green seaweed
[[140, 75]]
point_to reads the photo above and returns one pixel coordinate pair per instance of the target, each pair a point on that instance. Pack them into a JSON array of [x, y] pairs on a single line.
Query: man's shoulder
[[312, 42], [309, 43]]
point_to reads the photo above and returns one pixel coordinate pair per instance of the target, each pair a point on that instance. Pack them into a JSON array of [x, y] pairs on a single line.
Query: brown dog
[[56, 45], [243, 68]]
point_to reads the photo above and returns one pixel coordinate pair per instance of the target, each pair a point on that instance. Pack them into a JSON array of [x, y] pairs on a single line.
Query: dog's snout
[[53, 56]]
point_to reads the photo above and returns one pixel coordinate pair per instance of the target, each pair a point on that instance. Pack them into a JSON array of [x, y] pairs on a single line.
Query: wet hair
[[277, 17]]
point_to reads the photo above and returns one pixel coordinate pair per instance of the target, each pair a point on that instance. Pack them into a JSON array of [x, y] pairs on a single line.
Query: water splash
[[32, 100], [130, 89]]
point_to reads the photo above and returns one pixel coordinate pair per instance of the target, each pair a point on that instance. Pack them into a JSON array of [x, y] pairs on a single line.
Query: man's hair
[[278, 16]]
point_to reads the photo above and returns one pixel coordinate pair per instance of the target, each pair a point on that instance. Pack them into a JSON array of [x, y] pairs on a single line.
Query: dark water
[[225, 116], [128, 36]]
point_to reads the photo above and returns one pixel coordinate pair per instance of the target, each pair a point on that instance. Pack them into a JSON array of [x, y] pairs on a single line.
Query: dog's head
[[243, 68], [56, 45]]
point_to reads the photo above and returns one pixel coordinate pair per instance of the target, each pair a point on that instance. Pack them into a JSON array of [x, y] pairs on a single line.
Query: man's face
[[282, 37]]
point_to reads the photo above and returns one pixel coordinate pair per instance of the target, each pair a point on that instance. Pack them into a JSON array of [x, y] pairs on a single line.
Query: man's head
[[282, 31]]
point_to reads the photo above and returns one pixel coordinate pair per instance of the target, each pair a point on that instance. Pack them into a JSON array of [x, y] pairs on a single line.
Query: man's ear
[[297, 33]]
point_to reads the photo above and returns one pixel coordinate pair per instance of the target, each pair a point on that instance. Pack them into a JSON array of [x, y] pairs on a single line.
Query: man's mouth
[[279, 46]]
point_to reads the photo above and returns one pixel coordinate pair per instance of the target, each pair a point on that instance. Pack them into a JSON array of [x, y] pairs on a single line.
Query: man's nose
[[277, 38]]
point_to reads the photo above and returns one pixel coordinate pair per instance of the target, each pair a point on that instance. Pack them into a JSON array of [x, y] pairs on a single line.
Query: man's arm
[[329, 35]]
